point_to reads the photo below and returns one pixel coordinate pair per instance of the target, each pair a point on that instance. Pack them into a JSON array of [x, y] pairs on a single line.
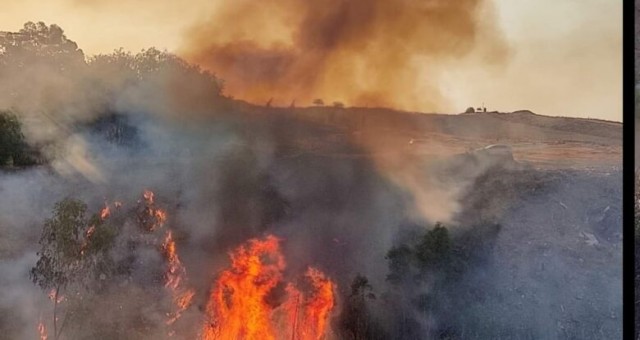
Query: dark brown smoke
[[361, 52]]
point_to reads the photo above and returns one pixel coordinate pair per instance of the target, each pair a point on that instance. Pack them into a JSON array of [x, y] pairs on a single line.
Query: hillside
[[543, 141], [139, 201]]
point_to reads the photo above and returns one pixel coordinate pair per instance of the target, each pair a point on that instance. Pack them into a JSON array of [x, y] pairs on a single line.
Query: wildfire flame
[[90, 231], [151, 218], [52, 296], [176, 273], [42, 330], [104, 213], [241, 302], [308, 313], [148, 196], [238, 307]]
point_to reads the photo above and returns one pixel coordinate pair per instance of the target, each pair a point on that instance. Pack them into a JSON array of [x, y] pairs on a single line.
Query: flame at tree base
[[42, 330], [181, 296], [238, 307]]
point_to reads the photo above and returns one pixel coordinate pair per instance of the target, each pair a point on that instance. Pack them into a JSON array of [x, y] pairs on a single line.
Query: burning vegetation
[[239, 306], [148, 205], [250, 300]]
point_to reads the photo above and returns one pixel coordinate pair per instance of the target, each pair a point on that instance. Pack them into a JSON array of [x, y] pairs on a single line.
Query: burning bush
[[238, 306], [73, 253]]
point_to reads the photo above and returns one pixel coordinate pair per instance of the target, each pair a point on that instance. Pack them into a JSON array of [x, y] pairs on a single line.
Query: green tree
[[153, 71], [11, 138], [433, 251], [73, 252], [126, 68], [400, 260], [356, 321], [14, 150], [37, 43]]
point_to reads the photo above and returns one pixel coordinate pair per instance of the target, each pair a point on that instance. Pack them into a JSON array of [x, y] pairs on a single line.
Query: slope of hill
[[542, 141]]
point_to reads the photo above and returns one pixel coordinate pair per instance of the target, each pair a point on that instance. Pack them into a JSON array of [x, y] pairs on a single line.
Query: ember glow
[[238, 307], [42, 330], [150, 217], [52, 296], [104, 213]]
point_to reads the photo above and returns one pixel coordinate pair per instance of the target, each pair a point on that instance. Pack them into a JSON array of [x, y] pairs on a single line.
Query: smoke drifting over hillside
[[121, 124], [365, 53], [335, 195]]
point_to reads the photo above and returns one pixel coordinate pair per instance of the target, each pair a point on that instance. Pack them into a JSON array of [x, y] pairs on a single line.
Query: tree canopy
[[73, 251], [72, 245], [14, 150], [39, 43]]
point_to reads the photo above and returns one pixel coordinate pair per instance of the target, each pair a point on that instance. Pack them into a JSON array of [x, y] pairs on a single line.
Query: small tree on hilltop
[[318, 102]]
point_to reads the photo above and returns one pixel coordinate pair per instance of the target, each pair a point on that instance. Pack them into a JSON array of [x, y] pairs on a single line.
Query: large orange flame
[[238, 307], [308, 313]]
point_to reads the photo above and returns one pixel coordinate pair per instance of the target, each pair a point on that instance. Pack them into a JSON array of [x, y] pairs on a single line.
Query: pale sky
[[566, 55]]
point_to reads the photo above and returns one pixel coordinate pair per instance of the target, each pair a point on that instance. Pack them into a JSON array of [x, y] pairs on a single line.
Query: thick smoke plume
[[364, 52]]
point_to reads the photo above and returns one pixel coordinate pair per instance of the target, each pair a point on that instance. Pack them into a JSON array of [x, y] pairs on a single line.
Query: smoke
[[364, 53], [125, 123], [119, 124]]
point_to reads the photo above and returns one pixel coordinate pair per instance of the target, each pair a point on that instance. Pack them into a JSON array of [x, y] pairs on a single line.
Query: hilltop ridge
[[544, 141]]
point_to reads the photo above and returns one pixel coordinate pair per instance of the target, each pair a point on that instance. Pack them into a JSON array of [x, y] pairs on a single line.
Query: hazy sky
[[565, 59]]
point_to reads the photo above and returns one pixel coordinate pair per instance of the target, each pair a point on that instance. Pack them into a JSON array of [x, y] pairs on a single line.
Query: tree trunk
[[55, 315], [295, 319], [57, 332]]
